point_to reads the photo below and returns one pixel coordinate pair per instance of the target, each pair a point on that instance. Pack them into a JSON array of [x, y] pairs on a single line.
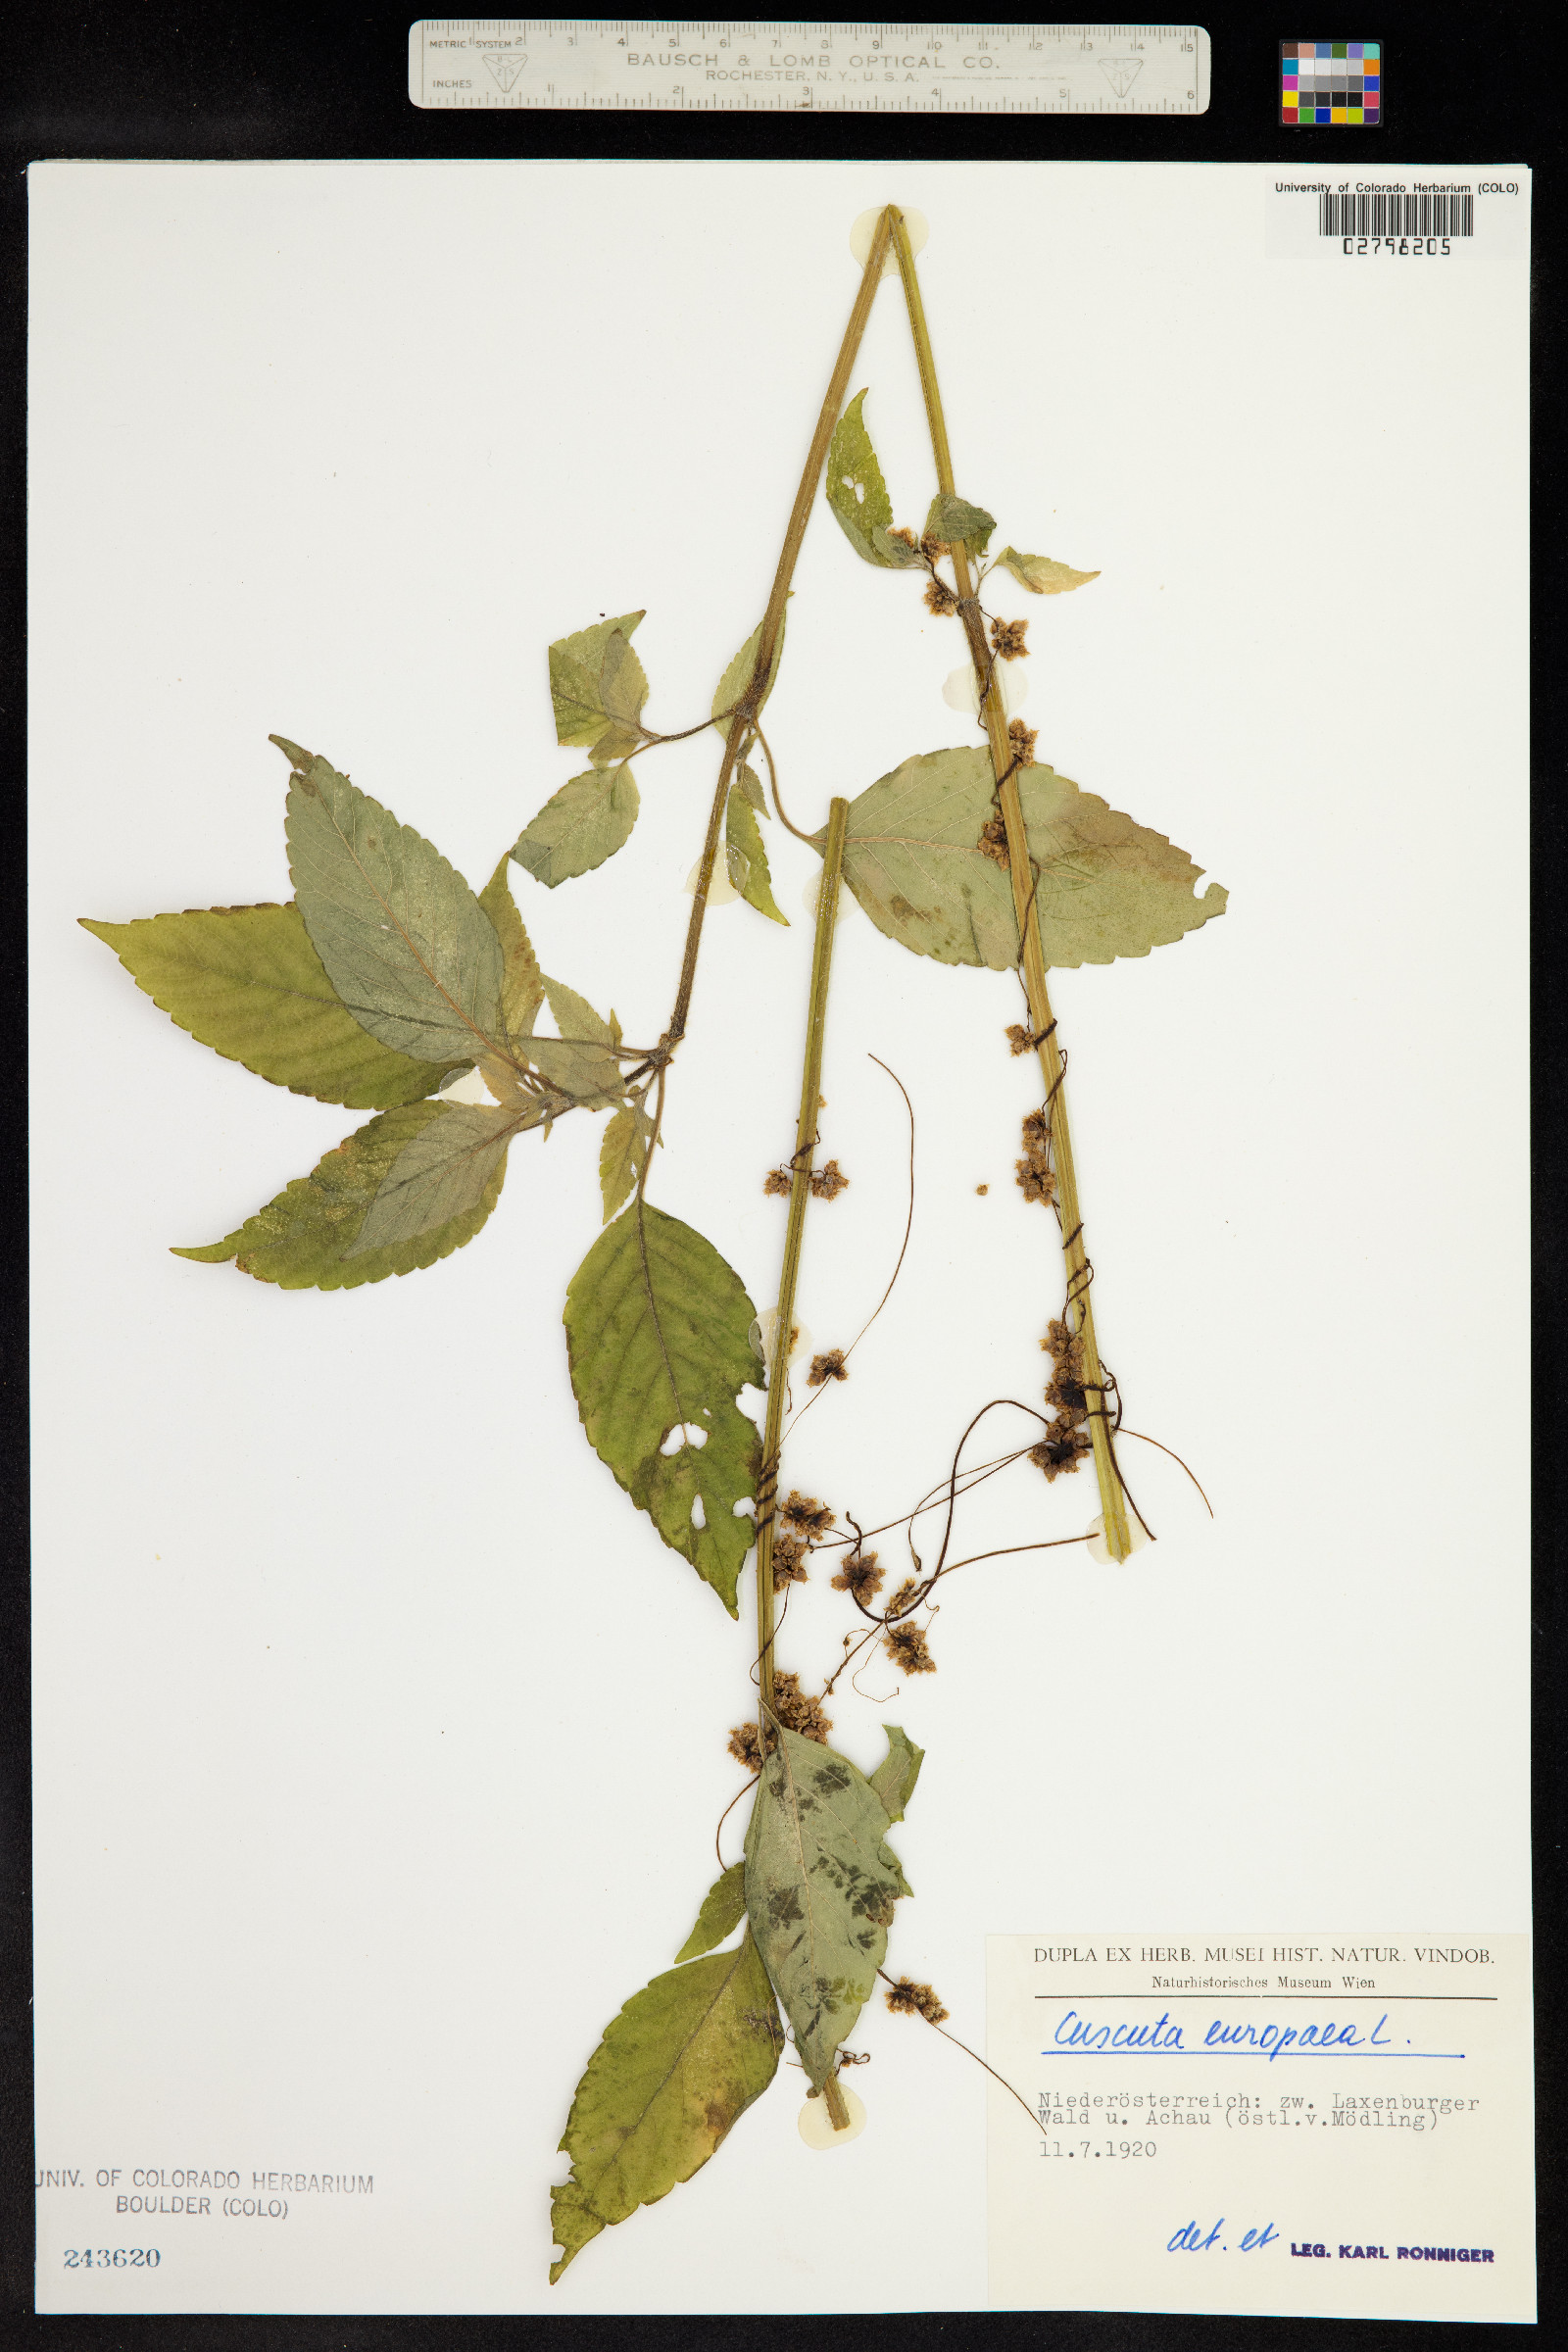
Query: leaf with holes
[[723, 1909], [578, 827], [820, 1886], [306, 1239], [1107, 887], [406, 944], [246, 981], [858, 495], [675, 2072], [658, 1339]]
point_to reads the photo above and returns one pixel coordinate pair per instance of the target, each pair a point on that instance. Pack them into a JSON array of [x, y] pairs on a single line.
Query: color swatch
[[1331, 82]]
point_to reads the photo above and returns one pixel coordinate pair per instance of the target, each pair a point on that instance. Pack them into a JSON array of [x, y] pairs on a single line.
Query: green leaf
[[622, 683], [616, 746], [723, 1909], [895, 1777], [405, 944], [953, 518], [744, 835], [246, 981], [582, 825], [681, 2063], [576, 675], [1041, 574], [522, 989], [749, 787], [580, 1064], [858, 495], [738, 677], [659, 1340], [621, 1156], [305, 1239], [441, 1176], [1107, 887], [820, 1886]]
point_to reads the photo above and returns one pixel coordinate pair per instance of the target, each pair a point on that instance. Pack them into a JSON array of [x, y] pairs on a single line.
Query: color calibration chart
[[1338, 82]]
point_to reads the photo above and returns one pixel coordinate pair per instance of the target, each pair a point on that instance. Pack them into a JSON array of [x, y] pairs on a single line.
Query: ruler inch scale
[[759, 64]]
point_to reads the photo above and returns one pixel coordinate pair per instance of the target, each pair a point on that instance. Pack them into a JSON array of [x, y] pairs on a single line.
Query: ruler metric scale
[[765, 65]]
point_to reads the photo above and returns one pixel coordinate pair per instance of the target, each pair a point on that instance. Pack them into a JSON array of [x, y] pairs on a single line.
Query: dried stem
[[828, 905], [1042, 1021], [744, 720]]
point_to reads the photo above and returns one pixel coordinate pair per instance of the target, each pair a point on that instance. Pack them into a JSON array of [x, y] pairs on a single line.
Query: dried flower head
[[805, 1516], [1022, 739], [904, 1597], [861, 1576], [797, 1711], [746, 1746], [982, 1188], [830, 1367], [940, 599], [1062, 1343], [936, 549], [778, 1181], [1035, 1182], [1007, 639], [789, 1561], [906, 537], [828, 1182], [1037, 1138], [1018, 1038], [906, 1998], [1063, 1447], [907, 1647], [993, 841]]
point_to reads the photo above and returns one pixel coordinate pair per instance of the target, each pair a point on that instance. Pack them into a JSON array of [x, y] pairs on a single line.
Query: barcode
[[1385, 212]]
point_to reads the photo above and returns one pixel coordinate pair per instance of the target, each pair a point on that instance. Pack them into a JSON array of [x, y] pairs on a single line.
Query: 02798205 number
[[113, 2258]]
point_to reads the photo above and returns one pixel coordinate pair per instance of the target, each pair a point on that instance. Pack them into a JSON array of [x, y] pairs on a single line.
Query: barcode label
[[1385, 212]]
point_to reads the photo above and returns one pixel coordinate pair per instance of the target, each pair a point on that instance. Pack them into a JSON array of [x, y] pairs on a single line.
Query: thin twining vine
[[389, 986]]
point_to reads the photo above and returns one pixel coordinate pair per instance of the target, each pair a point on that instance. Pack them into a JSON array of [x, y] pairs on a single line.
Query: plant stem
[[746, 709], [828, 905], [1042, 1022]]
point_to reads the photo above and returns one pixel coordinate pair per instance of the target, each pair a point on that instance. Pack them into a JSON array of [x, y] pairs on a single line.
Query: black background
[[149, 79]]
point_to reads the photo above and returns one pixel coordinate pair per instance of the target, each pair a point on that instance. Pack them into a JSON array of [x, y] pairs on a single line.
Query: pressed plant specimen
[[388, 985]]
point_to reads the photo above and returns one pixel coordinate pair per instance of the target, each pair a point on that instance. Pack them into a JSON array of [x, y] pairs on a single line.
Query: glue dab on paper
[[864, 230], [813, 890], [817, 2125], [721, 891], [761, 1333], [961, 693], [1099, 1549]]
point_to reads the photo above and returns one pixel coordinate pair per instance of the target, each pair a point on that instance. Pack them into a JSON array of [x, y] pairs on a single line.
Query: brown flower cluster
[[778, 1181], [905, 1645], [746, 1746], [906, 1998], [789, 1560], [993, 841], [935, 549], [829, 1366], [1007, 639], [1034, 1173], [1067, 1441], [804, 1515], [940, 599], [859, 1574], [797, 1712], [906, 536], [828, 1182], [904, 1597], [1019, 1039], [1022, 739]]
